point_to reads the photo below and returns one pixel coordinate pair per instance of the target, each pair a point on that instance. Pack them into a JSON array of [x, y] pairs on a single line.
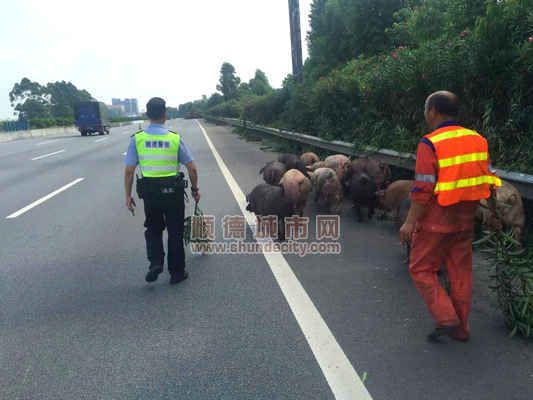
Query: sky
[[141, 49]]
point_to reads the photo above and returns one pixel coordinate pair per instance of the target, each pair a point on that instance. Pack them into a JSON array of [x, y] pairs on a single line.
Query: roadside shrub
[[228, 109]]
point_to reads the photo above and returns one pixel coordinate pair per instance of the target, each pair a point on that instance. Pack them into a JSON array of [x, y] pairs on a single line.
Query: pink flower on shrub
[[394, 55], [423, 76], [374, 67], [401, 48], [449, 43], [463, 33], [530, 39], [356, 72]]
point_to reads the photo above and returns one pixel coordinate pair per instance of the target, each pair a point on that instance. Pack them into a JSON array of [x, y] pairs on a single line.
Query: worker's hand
[[406, 232], [196, 196], [130, 203], [495, 223]]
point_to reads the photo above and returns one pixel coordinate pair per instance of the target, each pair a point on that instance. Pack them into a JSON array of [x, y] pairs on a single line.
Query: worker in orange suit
[[452, 175]]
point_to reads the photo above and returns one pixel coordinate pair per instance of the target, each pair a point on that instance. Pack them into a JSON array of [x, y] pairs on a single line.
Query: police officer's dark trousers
[[165, 211]]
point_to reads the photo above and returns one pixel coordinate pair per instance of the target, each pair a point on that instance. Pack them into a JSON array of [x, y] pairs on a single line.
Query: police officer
[[159, 154]]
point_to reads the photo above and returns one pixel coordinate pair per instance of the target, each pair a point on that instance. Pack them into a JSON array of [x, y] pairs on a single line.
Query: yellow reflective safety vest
[[158, 154]]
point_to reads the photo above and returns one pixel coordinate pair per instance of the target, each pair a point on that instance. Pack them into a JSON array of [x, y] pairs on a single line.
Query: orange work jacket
[[463, 159]]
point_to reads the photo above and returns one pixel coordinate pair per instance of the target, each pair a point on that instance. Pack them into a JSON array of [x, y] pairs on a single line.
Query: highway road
[[77, 319]]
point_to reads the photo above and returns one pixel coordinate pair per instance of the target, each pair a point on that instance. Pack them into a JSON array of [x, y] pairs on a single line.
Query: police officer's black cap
[[155, 108]]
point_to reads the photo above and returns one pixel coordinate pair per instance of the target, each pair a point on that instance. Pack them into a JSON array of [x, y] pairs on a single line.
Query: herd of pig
[[290, 180]]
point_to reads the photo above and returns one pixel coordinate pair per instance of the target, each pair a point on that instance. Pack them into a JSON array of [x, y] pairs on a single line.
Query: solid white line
[[48, 155], [337, 369], [43, 199], [100, 140]]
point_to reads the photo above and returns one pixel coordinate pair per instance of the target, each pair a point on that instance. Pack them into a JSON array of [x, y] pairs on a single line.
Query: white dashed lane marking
[[48, 155], [43, 199]]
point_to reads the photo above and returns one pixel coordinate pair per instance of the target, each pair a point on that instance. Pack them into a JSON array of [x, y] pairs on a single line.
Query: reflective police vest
[[158, 154], [464, 171]]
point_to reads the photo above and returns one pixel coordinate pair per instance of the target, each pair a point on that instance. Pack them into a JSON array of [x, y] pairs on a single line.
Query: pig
[[328, 190], [401, 210], [317, 165], [340, 164], [378, 171], [362, 191], [390, 198], [266, 200], [309, 158], [511, 208], [292, 161], [297, 188], [273, 171], [400, 216]]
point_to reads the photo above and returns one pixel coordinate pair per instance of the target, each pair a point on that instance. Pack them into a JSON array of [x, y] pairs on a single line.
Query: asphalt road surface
[[77, 320]]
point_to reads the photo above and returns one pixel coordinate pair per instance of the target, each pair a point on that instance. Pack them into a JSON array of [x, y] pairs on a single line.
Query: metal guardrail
[[523, 182]]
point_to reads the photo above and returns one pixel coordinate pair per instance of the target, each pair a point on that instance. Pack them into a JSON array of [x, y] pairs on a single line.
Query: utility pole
[[296, 39]]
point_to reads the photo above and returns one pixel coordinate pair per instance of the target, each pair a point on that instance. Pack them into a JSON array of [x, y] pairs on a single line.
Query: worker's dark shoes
[[177, 278], [460, 335], [153, 273], [441, 335], [461, 339]]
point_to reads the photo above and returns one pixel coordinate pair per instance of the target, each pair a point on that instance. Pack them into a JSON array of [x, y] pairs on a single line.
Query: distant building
[[115, 110], [130, 106]]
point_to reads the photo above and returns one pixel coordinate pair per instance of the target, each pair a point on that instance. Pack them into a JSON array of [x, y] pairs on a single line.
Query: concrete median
[[47, 132]]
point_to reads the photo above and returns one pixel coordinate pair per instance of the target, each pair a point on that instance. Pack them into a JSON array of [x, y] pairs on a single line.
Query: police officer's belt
[[161, 187]]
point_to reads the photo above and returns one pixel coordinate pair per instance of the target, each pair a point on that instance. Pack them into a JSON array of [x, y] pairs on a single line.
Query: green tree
[[228, 82], [63, 96], [30, 100], [214, 100], [259, 84], [55, 100], [345, 29], [172, 112]]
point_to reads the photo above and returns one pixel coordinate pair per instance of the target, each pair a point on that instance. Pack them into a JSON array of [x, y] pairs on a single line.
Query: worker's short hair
[[444, 103], [155, 108]]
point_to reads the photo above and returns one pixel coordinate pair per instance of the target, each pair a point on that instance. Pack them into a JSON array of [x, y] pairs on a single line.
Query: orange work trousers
[[429, 251]]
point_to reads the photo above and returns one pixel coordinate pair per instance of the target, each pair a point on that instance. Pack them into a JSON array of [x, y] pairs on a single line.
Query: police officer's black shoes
[[153, 273], [177, 278]]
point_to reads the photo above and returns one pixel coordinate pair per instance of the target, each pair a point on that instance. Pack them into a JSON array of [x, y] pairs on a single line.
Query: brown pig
[[328, 189], [297, 187], [390, 198], [273, 171], [309, 158], [397, 200], [317, 165], [400, 212], [292, 161], [510, 207], [378, 171], [340, 164]]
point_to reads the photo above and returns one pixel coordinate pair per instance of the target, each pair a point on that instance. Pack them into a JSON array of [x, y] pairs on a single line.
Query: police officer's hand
[[196, 196], [130, 203], [406, 232]]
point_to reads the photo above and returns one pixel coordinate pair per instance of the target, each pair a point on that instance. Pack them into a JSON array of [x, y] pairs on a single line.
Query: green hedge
[[50, 122]]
